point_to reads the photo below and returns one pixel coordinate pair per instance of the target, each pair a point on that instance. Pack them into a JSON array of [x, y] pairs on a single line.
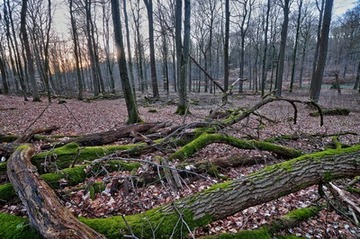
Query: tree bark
[[46, 212], [29, 58], [129, 93], [316, 81], [284, 30]]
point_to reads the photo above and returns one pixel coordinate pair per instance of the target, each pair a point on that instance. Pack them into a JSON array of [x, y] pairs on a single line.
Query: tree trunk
[[316, 81], [76, 50], [225, 199], [45, 210], [29, 58], [154, 84], [182, 51], [356, 86], [298, 22], [130, 97], [226, 47], [284, 30]]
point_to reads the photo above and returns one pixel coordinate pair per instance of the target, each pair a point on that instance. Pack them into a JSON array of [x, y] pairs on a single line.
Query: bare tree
[[298, 25], [264, 62], [316, 81], [154, 84], [130, 97], [139, 52], [75, 38], [29, 57], [128, 44], [226, 46], [182, 52], [244, 10], [285, 4]]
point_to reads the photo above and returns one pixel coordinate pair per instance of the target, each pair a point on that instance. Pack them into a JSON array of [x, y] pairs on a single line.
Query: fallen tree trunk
[[178, 219], [206, 139], [46, 213], [69, 176], [113, 135], [7, 149]]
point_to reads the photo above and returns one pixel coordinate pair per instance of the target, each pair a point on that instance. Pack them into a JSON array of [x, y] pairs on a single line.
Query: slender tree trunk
[[284, 30], [130, 97], [182, 53], [356, 86], [226, 47], [4, 75], [76, 50], [13, 44], [128, 44], [298, 22], [316, 55], [149, 7], [264, 62], [316, 82], [29, 57]]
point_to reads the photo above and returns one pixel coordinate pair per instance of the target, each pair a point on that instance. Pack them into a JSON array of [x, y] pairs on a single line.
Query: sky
[[62, 19], [340, 6]]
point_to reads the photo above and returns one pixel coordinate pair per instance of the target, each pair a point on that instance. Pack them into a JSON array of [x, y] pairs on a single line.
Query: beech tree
[[316, 81], [182, 52], [29, 56], [154, 84], [285, 5], [129, 93]]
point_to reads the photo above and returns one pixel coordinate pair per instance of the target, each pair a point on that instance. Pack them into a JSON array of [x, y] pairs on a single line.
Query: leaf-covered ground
[[83, 117]]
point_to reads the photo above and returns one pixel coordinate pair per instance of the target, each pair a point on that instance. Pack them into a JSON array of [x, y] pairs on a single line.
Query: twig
[[72, 115], [129, 228], [36, 119], [183, 220]]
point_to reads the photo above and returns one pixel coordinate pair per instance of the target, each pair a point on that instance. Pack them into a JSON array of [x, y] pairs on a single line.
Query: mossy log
[[337, 111], [72, 153], [205, 139], [7, 149], [269, 231], [45, 210], [68, 177], [113, 135], [225, 199]]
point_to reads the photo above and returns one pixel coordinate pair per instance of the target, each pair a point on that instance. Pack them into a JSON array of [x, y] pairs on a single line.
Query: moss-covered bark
[[224, 199], [269, 231], [73, 176], [205, 139], [72, 153], [45, 210]]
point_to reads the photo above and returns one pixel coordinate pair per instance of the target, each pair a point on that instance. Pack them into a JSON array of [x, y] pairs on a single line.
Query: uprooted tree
[[28, 174]]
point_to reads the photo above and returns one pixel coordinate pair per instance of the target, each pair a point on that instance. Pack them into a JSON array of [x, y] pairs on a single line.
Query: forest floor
[[83, 117]]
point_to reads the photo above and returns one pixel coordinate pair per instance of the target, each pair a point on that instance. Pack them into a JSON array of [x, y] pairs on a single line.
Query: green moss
[[205, 138], [253, 234], [7, 192], [288, 165], [73, 176], [219, 186], [289, 237], [23, 147], [303, 213], [13, 227], [65, 156], [165, 219], [3, 167]]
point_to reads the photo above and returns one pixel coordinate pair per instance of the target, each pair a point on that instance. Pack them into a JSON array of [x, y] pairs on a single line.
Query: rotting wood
[[46, 212]]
